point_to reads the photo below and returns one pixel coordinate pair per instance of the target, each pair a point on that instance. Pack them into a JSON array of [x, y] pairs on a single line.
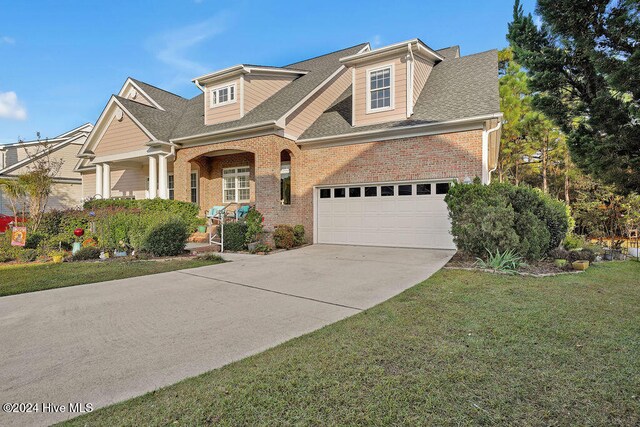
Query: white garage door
[[396, 214]]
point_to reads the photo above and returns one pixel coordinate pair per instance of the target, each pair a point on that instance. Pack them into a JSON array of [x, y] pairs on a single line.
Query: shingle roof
[[449, 52], [457, 88]]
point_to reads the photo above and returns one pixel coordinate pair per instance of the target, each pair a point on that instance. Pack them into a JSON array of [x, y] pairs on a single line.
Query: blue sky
[[61, 60]]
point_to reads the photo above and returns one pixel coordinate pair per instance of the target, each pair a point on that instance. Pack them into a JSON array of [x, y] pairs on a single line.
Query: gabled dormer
[[133, 91], [387, 81], [231, 93]]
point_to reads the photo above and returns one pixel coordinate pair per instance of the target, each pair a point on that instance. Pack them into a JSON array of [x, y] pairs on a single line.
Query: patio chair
[[242, 212]]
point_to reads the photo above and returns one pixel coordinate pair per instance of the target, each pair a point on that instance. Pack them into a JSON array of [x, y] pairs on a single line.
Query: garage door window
[[405, 190], [442, 188], [338, 192], [423, 189], [386, 190], [370, 191], [354, 192], [325, 193]]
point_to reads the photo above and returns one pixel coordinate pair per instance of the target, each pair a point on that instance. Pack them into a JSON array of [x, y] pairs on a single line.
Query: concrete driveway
[[106, 342]]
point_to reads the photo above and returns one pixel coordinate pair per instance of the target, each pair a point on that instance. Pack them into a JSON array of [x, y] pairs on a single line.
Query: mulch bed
[[539, 268]]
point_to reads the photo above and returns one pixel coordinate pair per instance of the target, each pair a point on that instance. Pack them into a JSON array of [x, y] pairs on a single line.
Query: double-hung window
[[235, 185], [171, 184], [223, 95], [194, 187], [379, 89]]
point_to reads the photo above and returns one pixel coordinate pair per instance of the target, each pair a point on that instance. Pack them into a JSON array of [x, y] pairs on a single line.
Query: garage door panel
[[404, 221]]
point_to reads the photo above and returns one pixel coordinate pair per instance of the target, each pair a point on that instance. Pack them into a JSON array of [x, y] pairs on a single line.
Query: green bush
[[185, 210], [166, 238], [506, 262], [87, 253], [581, 255], [502, 217], [27, 255], [33, 239], [254, 220], [284, 237], [573, 241], [298, 235], [235, 235]]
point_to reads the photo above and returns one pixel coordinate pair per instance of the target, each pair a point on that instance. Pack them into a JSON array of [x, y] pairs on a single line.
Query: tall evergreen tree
[[584, 67]]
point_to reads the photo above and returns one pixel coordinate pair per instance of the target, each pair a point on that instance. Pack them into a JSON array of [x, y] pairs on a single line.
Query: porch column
[[153, 177], [163, 178], [106, 182], [99, 179]]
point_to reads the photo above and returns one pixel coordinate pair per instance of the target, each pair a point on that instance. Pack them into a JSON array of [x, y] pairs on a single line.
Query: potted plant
[[201, 223], [57, 256]]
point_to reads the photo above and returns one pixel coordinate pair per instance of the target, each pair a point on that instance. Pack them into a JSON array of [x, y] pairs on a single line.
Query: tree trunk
[[567, 199], [517, 181]]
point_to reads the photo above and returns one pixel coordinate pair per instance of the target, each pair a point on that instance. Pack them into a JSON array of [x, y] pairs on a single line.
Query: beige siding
[[422, 68], [68, 157], [257, 88], [121, 137], [65, 196], [494, 143], [309, 112], [223, 113], [131, 181], [88, 184], [399, 112]]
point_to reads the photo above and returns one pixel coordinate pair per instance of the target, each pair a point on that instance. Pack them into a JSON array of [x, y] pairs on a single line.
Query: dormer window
[[223, 95], [380, 89]]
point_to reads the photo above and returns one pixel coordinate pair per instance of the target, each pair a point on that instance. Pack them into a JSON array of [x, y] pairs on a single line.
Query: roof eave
[[392, 48]]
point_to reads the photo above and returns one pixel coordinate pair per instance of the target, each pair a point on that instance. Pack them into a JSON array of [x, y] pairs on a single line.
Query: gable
[[121, 136], [133, 92]]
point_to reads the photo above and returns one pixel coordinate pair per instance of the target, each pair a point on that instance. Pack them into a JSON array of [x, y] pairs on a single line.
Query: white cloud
[[11, 107], [173, 47], [7, 40], [376, 41]]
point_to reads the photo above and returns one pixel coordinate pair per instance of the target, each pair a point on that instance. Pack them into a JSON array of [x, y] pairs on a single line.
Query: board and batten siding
[[259, 87], [312, 108], [121, 137], [399, 112], [422, 68], [223, 113]]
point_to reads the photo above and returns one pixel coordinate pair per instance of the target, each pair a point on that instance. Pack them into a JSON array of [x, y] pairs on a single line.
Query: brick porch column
[[181, 177], [267, 179]]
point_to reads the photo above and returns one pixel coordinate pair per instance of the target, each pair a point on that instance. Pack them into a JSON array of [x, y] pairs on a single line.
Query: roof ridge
[[326, 54], [477, 53], [156, 87]]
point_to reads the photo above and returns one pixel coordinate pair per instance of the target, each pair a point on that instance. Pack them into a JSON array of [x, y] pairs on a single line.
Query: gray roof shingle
[[457, 88]]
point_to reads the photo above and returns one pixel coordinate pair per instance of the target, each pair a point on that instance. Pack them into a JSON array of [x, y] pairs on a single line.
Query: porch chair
[[242, 212]]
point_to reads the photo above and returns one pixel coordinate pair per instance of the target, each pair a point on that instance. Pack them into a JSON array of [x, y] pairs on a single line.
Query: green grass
[[462, 348], [21, 278]]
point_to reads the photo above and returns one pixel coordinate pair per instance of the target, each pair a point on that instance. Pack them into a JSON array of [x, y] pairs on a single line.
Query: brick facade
[[454, 155]]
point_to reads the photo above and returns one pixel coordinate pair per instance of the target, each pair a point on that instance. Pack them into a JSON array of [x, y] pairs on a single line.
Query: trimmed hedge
[[488, 218], [185, 210]]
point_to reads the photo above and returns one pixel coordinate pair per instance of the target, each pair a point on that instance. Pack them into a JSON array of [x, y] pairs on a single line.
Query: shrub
[[185, 210], [87, 253], [582, 255], [559, 253], [27, 255], [166, 238], [502, 217], [298, 235], [254, 220], [573, 241], [284, 237], [506, 262], [234, 235], [33, 240]]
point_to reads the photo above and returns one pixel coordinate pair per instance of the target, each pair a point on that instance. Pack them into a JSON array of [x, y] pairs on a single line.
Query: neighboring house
[[358, 145], [17, 158]]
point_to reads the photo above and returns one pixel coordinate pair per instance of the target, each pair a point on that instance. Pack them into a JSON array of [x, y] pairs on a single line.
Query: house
[[17, 159], [358, 145]]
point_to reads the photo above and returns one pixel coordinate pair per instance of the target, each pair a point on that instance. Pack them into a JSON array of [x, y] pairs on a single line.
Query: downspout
[[198, 85], [410, 72], [486, 173]]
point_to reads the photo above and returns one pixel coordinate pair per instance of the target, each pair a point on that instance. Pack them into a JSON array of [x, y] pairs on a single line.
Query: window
[[235, 184], [379, 86], [194, 187], [404, 190], [354, 192], [171, 186], [370, 191], [338, 192], [386, 190], [325, 193], [223, 95], [423, 189], [442, 188], [285, 177]]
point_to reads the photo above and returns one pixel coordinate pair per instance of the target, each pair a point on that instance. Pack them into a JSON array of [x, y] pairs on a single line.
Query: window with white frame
[[235, 185], [194, 187], [171, 186], [379, 89], [223, 95]]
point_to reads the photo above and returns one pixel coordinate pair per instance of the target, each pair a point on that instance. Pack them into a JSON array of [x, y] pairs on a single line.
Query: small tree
[[14, 191]]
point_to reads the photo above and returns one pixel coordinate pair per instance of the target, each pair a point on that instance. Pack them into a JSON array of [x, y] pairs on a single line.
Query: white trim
[[197, 173], [353, 96], [420, 46], [450, 126], [486, 173], [392, 73], [121, 156], [140, 91], [78, 129], [235, 175], [45, 151], [229, 132], [244, 69], [169, 175], [241, 95], [410, 77], [217, 89]]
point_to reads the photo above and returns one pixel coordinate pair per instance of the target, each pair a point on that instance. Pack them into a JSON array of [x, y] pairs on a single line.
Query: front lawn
[[21, 278], [462, 348]]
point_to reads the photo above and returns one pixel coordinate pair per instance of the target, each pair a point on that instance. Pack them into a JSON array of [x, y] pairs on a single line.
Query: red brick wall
[[456, 155]]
